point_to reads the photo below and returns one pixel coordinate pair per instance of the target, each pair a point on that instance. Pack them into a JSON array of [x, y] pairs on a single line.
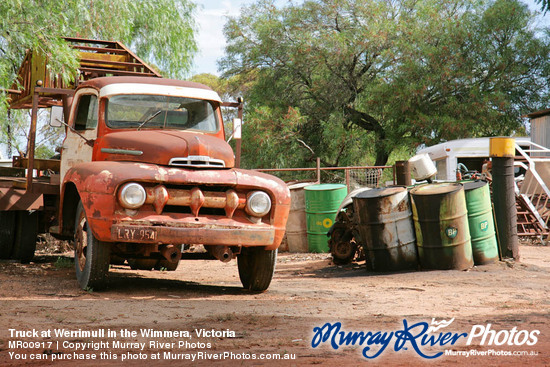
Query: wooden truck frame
[[144, 173]]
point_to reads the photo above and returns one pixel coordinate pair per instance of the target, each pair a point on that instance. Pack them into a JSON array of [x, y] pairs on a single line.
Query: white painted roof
[[473, 147], [163, 90]]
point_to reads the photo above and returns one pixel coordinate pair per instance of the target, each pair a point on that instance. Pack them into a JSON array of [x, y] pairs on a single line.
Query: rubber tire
[[338, 236], [26, 235], [93, 276], [7, 233], [256, 268]]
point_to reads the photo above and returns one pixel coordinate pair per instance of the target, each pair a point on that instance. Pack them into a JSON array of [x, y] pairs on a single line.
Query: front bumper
[[205, 235]]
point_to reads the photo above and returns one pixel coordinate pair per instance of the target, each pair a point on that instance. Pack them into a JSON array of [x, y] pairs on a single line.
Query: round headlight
[[258, 204], [132, 195]]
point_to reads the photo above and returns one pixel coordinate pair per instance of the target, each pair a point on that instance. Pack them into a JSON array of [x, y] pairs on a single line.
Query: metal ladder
[[533, 194]]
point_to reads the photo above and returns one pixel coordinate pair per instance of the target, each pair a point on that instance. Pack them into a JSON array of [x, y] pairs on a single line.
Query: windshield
[[164, 112]]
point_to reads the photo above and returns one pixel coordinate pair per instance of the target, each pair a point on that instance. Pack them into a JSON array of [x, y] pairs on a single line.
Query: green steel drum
[[386, 228], [480, 219], [441, 225], [322, 203]]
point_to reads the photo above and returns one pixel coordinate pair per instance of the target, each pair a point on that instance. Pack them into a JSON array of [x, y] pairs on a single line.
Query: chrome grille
[[196, 161]]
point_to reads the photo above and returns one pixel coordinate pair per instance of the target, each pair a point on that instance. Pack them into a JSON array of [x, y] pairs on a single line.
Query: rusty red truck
[[144, 173]]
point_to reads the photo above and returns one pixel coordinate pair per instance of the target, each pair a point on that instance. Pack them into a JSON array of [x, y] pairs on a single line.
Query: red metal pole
[[318, 170]]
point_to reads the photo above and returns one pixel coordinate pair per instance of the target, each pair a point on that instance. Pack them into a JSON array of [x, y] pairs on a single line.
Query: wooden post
[[32, 141]]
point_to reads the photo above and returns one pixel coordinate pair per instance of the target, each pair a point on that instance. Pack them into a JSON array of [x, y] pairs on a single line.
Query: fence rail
[[353, 176]]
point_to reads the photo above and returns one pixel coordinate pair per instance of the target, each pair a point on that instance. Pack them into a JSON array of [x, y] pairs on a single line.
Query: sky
[[212, 15]]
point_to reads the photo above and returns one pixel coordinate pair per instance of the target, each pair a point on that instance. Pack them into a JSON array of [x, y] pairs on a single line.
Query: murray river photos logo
[[418, 337]]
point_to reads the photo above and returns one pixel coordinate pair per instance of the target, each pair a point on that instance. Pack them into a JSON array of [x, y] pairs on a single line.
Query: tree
[[544, 4], [159, 31], [402, 72]]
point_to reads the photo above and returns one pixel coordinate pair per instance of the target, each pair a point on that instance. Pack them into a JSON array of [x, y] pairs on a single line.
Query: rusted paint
[[98, 182], [229, 200], [441, 226], [171, 253], [403, 173], [232, 202], [209, 235], [384, 222], [222, 253], [160, 198], [197, 200], [160, 146]]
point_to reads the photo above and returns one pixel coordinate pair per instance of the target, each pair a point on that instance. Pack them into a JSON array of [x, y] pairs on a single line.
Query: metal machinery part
[[343, 247]]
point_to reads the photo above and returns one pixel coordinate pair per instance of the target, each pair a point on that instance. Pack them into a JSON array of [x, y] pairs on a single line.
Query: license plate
[[136, 234]]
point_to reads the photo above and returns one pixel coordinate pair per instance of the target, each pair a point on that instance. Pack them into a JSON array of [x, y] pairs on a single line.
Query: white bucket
[[422, 167]]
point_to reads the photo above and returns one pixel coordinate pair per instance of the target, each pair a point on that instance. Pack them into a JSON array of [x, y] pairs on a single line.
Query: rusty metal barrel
[[403, 173], [441, 225], [386, 228], [296, 225], [480, 221]]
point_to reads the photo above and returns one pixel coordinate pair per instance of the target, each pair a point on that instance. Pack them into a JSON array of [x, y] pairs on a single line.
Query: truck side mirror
[[237, 124], [56, 116]]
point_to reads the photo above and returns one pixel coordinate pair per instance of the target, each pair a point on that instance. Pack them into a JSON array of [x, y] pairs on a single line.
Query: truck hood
[[165, 147]]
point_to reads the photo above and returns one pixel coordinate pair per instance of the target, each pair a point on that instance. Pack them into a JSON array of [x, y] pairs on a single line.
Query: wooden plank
[[18, 199], [87, 40], [93, 62], [12, 172], [100, 49], [39, 164], [115, 72]]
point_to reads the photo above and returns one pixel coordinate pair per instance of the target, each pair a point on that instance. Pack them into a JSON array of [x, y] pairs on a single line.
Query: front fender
[[97, 184]]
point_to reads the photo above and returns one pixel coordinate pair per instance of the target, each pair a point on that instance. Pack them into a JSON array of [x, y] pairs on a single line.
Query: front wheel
[[91, 256], [256, 268]]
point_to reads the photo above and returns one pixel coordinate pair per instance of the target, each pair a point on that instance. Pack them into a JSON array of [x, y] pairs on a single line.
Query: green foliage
[[64, 263], [370, 76], [159, 31], [269, 135]]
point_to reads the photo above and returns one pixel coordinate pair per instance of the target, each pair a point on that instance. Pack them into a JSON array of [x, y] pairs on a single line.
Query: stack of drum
[[436, 226]]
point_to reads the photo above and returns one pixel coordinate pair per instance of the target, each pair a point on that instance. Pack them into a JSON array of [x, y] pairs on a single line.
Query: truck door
[[84, 115]]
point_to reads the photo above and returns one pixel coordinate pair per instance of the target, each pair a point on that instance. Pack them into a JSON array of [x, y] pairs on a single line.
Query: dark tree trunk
[[382, 156], [369, 123]]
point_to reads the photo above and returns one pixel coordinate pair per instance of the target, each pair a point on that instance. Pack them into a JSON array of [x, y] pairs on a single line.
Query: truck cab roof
[[113, 85]]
